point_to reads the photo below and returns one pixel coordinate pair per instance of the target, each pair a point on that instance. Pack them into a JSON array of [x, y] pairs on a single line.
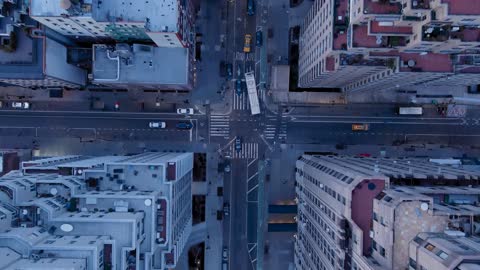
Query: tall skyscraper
[[110, 212], [379, 44], [385, 213]]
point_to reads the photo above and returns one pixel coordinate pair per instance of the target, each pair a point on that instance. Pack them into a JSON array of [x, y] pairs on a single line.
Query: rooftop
[[341, 12], [49, 263], [141, 64], [340, 41], [420, 4], [469, 34], [381, 7], [361, 38], [25, 61], [417, 62], [435, 33], [157, 15], [463, 7], [151, 158], [388, 28]]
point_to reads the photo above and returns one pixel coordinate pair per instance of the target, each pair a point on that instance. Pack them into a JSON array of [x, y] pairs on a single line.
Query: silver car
[[157, 125]]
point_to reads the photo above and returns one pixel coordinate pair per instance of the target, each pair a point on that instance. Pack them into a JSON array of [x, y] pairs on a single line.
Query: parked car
[[157, 125], [185, 111], [226, 209], [238, 144], [184, 125], [225, 254], [259, 38], [248, 41], [239, 70], [250, 8], [238, 87], [229, 71], [223, 69], [20, 105]]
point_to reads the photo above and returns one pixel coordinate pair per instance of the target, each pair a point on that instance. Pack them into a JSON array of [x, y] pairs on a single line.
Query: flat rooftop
[[26, 61], [161, 15], [146, 65], [378, 7], [158, 15], [463, 7], [378, 28], [430, 62]]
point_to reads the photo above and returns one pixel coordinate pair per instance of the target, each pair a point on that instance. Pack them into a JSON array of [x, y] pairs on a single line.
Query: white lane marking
[[377, 122], [252, 189], [372, 117]]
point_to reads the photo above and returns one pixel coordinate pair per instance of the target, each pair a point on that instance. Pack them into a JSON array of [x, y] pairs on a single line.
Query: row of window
[[342, 177], [312, 254], [324, 187], [378, 248], [321, 222]]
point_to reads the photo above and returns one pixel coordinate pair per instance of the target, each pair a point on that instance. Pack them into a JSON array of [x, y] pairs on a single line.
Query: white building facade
[[111, 212]]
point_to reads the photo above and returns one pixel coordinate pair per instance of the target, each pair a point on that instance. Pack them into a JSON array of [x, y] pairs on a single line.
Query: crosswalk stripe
[[249, 151], [240, 102], [219, 125]]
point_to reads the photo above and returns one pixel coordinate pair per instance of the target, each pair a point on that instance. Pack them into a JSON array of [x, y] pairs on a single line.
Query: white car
[[185, 111], [20, 105], [157, 125], [225, 253]]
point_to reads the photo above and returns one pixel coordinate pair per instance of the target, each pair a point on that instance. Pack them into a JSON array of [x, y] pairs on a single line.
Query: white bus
[[410, 110], [252, 93]]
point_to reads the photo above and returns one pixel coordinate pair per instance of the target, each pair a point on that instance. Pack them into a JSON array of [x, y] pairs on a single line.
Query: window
[[412, 263], [418, 240], [382, 251], [442, 255], [429, 247]]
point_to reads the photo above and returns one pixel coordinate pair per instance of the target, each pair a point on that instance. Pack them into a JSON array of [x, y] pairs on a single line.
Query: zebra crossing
[[270, 131], [249, 151], [274, 128], [240, 102], [219, 126], [282, 134]]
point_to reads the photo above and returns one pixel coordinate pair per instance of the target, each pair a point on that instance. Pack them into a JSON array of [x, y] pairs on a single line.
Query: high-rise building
[[379, 44], [142, 66], [373, 213], [110, 212], [167, 23]]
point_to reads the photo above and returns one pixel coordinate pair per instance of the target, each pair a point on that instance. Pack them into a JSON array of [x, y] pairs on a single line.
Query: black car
[[223, 69], [238, 144], [229, 71], [259, 38], [184, 125], [238, 87]]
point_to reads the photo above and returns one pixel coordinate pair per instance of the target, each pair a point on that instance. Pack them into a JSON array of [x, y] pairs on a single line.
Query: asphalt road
[[332, 129], [100, 125]]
